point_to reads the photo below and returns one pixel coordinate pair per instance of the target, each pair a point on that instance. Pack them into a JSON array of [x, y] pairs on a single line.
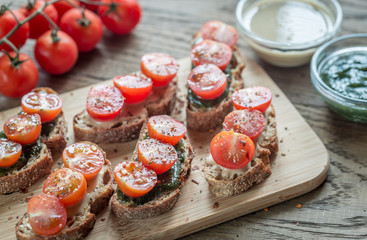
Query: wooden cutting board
[[301, 165]]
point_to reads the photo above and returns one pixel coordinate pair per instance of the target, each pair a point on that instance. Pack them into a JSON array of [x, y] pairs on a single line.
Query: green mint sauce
[[347, 74]]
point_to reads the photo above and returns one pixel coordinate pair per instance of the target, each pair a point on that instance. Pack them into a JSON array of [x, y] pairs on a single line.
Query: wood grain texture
[[337, 209]]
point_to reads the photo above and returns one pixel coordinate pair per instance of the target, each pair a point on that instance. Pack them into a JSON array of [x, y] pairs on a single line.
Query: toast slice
[[34, 163], [53, 134], [208, 118], [81, 218], [155, 202], [127, 125], [226, 182]]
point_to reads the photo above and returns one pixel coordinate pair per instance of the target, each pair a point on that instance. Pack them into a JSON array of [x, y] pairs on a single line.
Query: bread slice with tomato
[[209, 92], [154, 158], [76, 213]]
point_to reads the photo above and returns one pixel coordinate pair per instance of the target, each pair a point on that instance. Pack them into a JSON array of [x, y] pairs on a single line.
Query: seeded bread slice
[[55, 139], [224, 182], [162, 202], [35, 168], [82, 217]]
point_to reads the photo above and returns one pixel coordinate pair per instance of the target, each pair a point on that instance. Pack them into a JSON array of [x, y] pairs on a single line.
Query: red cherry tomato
[[220, 32], [134, 88], [207, 81], [157, 155], [250, 122], [258, 98], [120, 16], [160, 67], [232, 150], [7, 23], [47, 105], [23, 128], [63, 6], [9, 152], [86, 32], [84, 157], [92, 7], [104, 102], [16, 79], [134, 179], [56, 57], [46, 214], [67, 185], [39, 25], [209, 51], [166, 129]]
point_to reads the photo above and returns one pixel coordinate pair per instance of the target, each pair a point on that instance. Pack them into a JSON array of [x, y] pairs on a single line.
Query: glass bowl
[[287, 54], [346, 106]]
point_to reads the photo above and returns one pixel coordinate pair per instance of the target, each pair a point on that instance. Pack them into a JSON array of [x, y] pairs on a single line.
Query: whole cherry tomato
[[65, 5], [92, 7], [17, 77], [7, 23], [56, 52], [120, 16]]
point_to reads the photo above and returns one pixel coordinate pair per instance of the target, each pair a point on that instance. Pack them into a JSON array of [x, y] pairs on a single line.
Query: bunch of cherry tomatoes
[[61, 30]]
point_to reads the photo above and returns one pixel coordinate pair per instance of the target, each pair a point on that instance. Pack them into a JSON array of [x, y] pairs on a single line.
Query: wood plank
[[300, 166]]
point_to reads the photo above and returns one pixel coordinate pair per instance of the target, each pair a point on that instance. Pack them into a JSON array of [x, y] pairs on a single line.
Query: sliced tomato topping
[[67, 185], [133, 87], [160, 67], [221, 32], [23, 128], [47, 105], [258, 98], [166, 129], [209, 51], [249, 122], [134, 179], [207, 81], [46, 214], [84, 157], [232, 150], [157, 155], [104, 102], [9, 152]]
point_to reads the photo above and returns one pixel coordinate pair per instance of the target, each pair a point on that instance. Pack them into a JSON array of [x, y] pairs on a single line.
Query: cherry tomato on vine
[[133, 87], [56, 52], [166, 129], [220, 32], [39, 24], [63, 6], [120, 16], [257, 97], [92, 7], [7, 23], [9, 152], [17, 77], [86, 31], [46, 214]]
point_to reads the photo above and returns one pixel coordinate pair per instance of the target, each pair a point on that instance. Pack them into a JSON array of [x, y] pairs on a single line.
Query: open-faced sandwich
[[72, 196], [217, 68], [116, 114], [150, 182], [240, 154]]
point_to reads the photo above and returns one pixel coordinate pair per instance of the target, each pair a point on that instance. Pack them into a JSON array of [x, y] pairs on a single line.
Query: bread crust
[[56, 141], [29, 174], [164, 201]]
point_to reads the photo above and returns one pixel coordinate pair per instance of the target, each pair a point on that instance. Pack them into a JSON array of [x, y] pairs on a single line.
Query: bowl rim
[[290, 46], [314, 70]]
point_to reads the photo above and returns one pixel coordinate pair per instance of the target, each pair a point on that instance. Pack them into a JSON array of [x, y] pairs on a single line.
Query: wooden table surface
[[337, 209]]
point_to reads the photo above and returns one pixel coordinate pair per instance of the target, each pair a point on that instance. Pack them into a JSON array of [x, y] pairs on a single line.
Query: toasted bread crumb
[[194, 168], [216, 205], [194, 181], [10, 218], [299, 205], [266, 209], [103, 219]]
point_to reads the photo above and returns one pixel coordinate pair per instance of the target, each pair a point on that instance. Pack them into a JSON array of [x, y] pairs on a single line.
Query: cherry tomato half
[[84, 157], [133, 87], [250, 122], [9, 152], [134, 179], [220, 32], [7, 23], [209, 51], [157, 155], [104, 102], [207, 81], [46, 214], [166, 129], [160, 67], [232, 150], [67, 185], [23, 128], [47, 105], [258, 98]]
